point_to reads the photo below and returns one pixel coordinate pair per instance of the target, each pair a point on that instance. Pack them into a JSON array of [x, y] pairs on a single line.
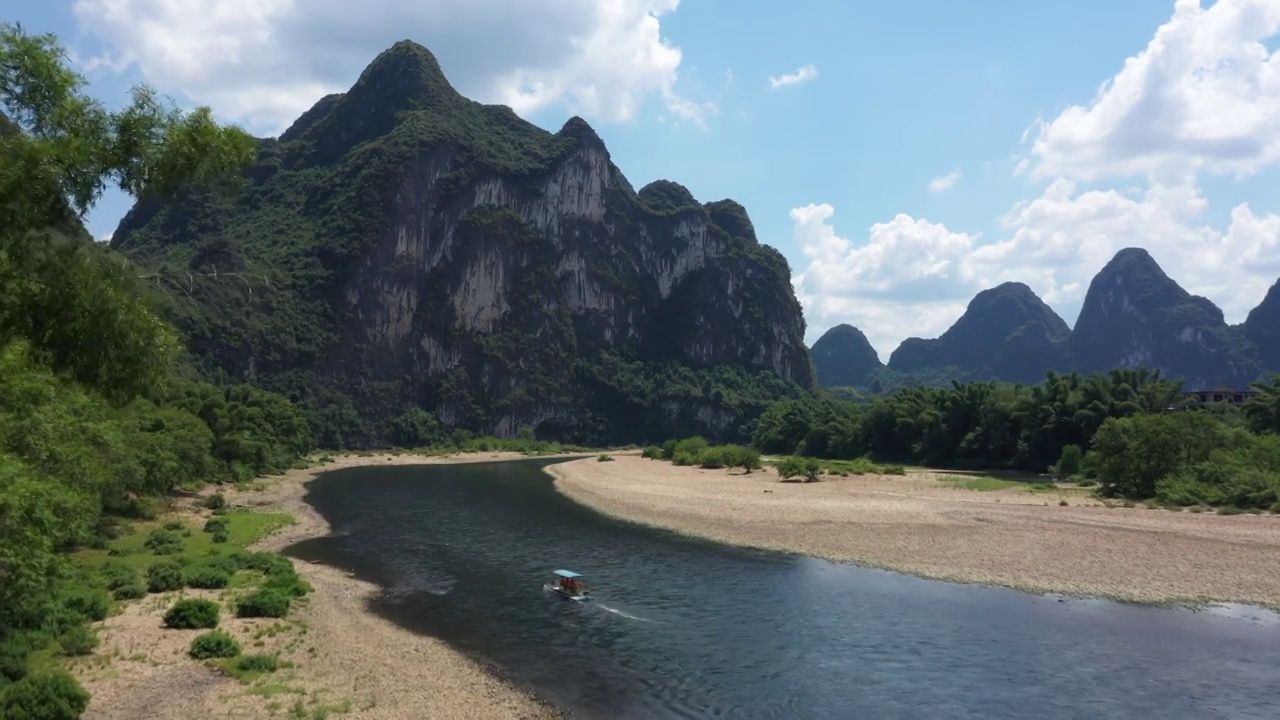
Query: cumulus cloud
[[263, 62], [1203, 95], [801, 75], [913, 277], [944, 183]]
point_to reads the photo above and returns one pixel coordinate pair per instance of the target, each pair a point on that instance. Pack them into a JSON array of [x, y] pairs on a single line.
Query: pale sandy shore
[[349, 662], [923, 525]]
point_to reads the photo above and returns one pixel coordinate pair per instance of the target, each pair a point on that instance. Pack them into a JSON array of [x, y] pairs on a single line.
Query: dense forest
[[101, 415], [1129, 431]]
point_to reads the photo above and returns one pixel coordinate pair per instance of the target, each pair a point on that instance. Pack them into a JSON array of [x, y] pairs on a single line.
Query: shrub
[[215, 502], [207, 577], [77, 640], [220, 537], [50, 695], [798, 469], [192, 614], [163, 541], [289, 585], [258, 663], [132, 591], [267, 563], [117, 576], [165, 576], [175, 526], [605, 458], [1069, 462], [214, 644], [267, 602], [216, 525], [15, 653], [89, 603], [652, 452]]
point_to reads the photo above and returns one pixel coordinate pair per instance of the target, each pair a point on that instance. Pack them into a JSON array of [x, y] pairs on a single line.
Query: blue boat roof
[[568, 574]]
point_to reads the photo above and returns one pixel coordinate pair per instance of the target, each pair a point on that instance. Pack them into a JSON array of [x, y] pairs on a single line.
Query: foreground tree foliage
[[97, 414], [1127, 430]]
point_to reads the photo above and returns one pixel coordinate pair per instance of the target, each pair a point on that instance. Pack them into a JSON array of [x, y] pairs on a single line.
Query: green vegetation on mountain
[[1262, 328], [843, 357], [1134, 315], [1006, 333], [99, 417], [403, 248]]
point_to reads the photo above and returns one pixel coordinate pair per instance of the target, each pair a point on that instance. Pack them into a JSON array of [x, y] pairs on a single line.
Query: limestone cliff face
[[469, 262]]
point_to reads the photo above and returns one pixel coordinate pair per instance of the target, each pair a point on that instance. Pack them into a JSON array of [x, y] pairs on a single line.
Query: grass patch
[[248, 668], [243, 528], [986, 483]]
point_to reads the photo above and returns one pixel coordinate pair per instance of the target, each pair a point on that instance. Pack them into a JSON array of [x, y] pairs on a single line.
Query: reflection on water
[[681, 628]]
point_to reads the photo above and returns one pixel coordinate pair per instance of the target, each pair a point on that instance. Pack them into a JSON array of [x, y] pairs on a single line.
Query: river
[[683, 628]]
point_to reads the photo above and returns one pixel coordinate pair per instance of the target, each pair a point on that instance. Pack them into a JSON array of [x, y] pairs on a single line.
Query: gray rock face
[[461, 258]]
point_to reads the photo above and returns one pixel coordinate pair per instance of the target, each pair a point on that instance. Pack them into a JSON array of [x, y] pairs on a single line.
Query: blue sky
[[1177, 154]]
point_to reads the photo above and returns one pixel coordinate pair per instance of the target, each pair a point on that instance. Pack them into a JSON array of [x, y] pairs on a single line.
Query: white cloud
[[1203, 95], [804, 74], [263, 62], [906, 279], [912, 277], [944, 183]]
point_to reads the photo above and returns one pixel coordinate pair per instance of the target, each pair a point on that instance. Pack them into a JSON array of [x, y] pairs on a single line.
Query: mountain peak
[[843, 357], [1130, 260], [407, 76], [1135, 315], [730, 216], [578, 129], [667, 196], [1006, 331]]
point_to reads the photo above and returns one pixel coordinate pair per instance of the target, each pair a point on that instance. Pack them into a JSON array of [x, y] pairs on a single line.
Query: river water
[[682, 628]]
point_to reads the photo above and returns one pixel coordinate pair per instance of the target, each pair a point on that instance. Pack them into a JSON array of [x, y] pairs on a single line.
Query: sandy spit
[[923, 525], [350, 663]]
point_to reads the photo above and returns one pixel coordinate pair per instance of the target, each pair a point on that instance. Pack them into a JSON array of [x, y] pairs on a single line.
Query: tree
[[59, 150]]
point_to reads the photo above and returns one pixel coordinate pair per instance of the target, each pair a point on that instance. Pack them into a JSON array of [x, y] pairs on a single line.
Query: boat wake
[[623, 613]]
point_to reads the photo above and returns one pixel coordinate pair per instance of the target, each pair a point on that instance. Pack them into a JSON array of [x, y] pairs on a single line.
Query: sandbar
[[924, 525]]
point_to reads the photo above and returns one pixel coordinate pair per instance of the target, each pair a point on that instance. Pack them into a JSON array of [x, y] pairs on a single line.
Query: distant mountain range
[[1134, 315]]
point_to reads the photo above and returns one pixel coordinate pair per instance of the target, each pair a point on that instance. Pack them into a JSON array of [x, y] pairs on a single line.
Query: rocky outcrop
[[1006, 333], [843, 357], [432, 250]]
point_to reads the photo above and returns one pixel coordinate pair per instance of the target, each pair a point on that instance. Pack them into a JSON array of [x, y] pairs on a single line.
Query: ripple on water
[[682, 628]]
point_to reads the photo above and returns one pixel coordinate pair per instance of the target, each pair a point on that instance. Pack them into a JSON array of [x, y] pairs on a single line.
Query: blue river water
[[683, 628]]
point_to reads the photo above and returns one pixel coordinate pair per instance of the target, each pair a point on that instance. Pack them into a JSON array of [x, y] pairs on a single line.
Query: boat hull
[[567, 595]]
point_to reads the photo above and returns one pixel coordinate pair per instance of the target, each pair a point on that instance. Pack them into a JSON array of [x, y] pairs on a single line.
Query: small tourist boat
[[569, 585]]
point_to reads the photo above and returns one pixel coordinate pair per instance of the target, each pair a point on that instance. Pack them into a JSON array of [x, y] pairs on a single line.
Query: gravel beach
[[923, 525], [348, 660]]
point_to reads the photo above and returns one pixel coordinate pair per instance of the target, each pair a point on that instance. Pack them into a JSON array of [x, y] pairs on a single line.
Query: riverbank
[[346, 660], [929, 525]]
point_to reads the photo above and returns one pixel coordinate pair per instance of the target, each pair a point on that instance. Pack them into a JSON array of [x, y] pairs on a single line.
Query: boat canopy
[[568, 574]]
